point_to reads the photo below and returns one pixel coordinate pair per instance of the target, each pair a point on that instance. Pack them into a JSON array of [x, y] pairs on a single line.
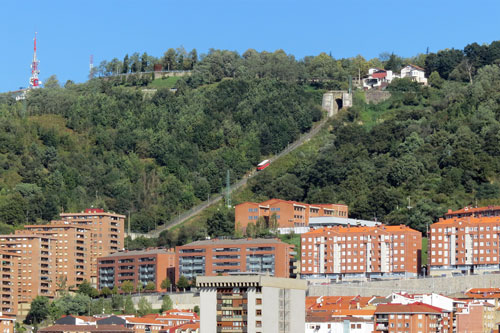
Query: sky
[[70, 31]]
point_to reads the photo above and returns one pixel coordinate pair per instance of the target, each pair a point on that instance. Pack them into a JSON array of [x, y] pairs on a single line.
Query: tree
[[166, 304], [144, 307], [125, 65], [86, 288], [127, 287], [220, 224], [106, 292], [128, 307], [117, 302], [39, 310], [196, 309], [52, 82], [150, 286], [182, 283], [165, 284]]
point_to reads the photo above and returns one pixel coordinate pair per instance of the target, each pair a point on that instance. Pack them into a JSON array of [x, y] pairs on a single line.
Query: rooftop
[[217, 241], [411, 308], [137, 253]]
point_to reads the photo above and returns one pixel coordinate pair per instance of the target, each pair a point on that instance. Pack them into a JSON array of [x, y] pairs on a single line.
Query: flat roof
[[241, 241], [250, 281], [137, 253], [332, 220]]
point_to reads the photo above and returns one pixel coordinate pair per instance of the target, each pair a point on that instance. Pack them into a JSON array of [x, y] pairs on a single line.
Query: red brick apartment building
[[344, 252], [9, 264], [410, 318], [65, 249], [465, 241], [289, 214], [139, 267], [224, 256], [36, 269]]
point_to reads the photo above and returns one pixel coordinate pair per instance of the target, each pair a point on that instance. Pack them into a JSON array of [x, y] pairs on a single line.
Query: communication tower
[[34, 81], [91, 67]]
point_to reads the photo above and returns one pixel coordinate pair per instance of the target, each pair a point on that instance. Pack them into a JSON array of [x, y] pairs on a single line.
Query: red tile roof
[[407, 308]]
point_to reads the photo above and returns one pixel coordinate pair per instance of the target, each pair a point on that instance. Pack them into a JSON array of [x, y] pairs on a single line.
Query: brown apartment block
[[288, 214], [9, 265], [465, 241], [71, 253], [107, 232], [36, 266], [139, 267], [225, 256], [343, 252]]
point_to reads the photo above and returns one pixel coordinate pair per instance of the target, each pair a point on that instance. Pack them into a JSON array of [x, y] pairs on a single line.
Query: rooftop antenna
[[34, 81], [91, 67]]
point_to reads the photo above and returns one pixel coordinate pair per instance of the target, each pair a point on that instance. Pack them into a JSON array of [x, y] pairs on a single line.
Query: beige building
[[251, 303]]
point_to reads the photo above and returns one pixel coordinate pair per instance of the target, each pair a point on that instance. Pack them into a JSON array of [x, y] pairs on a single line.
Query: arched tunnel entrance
[[339, 103]]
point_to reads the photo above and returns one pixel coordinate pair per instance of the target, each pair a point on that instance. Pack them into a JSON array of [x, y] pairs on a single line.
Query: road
[[239, 184]]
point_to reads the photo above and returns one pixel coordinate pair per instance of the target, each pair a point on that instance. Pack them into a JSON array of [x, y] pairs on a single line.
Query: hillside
[[105, 143]]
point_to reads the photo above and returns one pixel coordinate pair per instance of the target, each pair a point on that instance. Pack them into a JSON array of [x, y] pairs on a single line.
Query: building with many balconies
[[226, 256], [251, 303], [139, 267], [359, 252], [465, 241]]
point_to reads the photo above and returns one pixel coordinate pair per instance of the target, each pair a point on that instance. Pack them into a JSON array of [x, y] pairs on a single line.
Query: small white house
[[414, 72], [378, 78]]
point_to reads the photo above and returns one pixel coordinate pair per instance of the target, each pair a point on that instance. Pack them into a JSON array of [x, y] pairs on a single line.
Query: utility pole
[[228, 190]]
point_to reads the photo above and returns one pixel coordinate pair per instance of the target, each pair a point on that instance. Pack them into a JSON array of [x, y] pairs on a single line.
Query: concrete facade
[[251, 303], [335, 100], [443, 285]]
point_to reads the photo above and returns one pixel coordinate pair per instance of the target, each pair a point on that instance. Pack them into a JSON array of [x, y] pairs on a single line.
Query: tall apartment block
[[346, 252], [251, 303], [36, 266], [465, 241], [9, 264], [226, 256], [107, 232], [289, 215], [71, 252], [139, 267]]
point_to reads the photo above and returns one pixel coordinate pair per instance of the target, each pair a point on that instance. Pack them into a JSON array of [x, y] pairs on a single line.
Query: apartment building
[[36, 266], [71, 252], [251, 303], [139, 267], [225, 256], [465, 241], [414, 318], [357, 252], [488, 211], [107, 231], [287, 216], [7, 324], [9, 264]]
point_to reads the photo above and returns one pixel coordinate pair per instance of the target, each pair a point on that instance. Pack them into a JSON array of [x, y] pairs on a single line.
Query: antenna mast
[[34, 81], [91, 67]]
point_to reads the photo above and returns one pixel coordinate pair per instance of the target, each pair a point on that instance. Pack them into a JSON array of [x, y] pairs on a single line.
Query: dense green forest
[[106, 143]]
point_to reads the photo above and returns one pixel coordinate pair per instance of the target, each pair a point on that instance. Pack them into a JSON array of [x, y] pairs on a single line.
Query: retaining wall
[[443, 285]]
